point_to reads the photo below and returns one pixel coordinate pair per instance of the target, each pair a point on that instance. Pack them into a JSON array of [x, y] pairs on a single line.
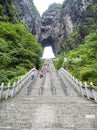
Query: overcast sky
[[42, 5]]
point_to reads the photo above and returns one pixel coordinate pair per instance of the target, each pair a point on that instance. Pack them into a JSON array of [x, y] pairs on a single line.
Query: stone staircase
[[48, 111]]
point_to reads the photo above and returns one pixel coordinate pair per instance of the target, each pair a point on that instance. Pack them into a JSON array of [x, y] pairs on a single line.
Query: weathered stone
[[50, 26], [58, 22], [48, 111], [29, 15]]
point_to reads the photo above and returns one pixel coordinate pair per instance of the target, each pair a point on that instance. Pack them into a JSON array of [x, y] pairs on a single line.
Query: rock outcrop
[[29, 15], [50, 26], [59, 21], [73, 13]]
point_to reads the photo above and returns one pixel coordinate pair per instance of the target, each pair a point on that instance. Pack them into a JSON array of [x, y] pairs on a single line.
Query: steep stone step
[[48, 111]]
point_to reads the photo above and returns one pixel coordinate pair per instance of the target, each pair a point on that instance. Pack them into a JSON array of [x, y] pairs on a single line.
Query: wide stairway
[[48, 106]]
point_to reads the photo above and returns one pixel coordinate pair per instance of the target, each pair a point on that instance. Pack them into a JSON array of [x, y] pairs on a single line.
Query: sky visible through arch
[[48, 53], [42, 6]]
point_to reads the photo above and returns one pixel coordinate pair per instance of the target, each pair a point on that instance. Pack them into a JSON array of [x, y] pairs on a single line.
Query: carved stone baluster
[[87, 94], [13, 89], [1, 90], [81, 89], [7, 94]]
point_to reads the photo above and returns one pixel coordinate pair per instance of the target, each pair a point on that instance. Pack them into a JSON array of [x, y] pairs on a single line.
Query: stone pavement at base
[[47, 111]]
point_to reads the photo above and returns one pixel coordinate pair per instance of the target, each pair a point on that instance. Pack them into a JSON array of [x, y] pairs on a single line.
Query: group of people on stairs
[[44, 69]]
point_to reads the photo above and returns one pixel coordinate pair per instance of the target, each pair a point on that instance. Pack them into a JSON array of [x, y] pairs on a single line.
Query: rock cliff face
[[21, 10], [72, 12], [58, 22], [72, 15], [50, 27], [29, 15]]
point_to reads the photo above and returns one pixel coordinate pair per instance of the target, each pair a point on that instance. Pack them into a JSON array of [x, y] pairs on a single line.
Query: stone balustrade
[[52, 80], [12, 90], [83, 90]]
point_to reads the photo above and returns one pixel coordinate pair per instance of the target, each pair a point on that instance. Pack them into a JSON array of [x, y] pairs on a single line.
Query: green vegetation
[[8, 13], [58, 63], [81, 53], [19, 51], [82, 61]]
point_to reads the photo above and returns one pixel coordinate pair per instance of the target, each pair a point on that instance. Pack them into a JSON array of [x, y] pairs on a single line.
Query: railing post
[[17, 87], [94, 95], [81, 89], [7, 94], [86, 90], [73, 82], [93, 91], [1, 91], [77, 85], [13, 89], [21, 82]]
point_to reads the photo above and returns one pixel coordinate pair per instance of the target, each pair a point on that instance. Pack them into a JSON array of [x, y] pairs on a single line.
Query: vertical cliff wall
[[29, 15], [59, 21], [50, 27], [73, 14]]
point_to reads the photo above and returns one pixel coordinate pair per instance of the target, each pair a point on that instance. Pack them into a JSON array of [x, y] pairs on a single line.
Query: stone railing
[[42, 84], [52, 81], [11, 91], [63, 83], [31, 83], [83, 90]]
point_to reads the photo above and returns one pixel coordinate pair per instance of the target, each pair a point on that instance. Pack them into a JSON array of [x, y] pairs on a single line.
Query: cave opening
[[49, 42]]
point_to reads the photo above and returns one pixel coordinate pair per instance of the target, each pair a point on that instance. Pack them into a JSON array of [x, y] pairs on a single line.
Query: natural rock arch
[[49, 42]]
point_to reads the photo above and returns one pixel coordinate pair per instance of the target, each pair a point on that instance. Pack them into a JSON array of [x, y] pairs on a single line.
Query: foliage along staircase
[[52, 109]]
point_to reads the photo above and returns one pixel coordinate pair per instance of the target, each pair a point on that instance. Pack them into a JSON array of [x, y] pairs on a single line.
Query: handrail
[[81, 89], [42, 84], [11, 91], [42, 80], [52, 82], [31, 83], [63, 83]]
